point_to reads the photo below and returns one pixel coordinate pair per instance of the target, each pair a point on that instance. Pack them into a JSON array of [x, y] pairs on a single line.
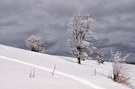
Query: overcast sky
[[114, 22]]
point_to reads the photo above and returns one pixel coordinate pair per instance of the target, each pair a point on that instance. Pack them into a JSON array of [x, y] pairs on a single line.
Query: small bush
[[35, 43], [120, 72]]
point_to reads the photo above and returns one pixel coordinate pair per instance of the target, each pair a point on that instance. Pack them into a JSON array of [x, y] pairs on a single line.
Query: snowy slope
[[16, 65]]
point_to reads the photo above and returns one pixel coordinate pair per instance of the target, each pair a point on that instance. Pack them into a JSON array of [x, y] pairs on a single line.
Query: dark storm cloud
[[114, 22], [120, 47]]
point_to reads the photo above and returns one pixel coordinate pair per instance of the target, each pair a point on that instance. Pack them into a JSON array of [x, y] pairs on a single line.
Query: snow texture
[[16, 65]]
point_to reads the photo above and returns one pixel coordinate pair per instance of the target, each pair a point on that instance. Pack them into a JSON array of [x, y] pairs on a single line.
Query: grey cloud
[[114, 22], [120, 47]]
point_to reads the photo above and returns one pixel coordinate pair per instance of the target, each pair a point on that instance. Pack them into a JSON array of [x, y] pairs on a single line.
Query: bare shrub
[[120, 72]]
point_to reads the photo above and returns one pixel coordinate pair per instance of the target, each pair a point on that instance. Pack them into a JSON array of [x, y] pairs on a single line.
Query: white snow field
[[17, 64]]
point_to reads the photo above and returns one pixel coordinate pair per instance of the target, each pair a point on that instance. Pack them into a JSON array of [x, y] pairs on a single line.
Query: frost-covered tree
[[100, 59], [35, 43], [120, 73], [82, 38]]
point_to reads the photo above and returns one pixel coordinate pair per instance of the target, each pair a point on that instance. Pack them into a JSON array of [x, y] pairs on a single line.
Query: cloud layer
[[114, 22]]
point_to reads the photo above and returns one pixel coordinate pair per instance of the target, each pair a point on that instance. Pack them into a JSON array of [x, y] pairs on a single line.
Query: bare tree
[[97, 56], [120, 72], [100, 59], [35, 43], [82, 38]]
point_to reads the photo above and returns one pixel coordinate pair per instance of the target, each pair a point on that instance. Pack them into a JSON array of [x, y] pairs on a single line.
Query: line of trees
[[83, 46], [82, 38]]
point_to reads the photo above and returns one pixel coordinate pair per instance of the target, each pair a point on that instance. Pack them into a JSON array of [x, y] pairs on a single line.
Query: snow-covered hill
[[16, 65]]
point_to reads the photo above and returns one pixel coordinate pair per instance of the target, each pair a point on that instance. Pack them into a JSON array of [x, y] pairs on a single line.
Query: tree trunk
[[114, 78], [33, 49], [79, 60]]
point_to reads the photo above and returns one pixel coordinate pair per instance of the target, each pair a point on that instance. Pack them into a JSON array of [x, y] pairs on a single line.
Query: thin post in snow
[[95, 72], [54, 70], [32, 73]]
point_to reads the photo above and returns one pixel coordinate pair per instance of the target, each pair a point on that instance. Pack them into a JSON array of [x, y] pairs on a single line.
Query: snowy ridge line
[[5, 47], [86, 82]]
